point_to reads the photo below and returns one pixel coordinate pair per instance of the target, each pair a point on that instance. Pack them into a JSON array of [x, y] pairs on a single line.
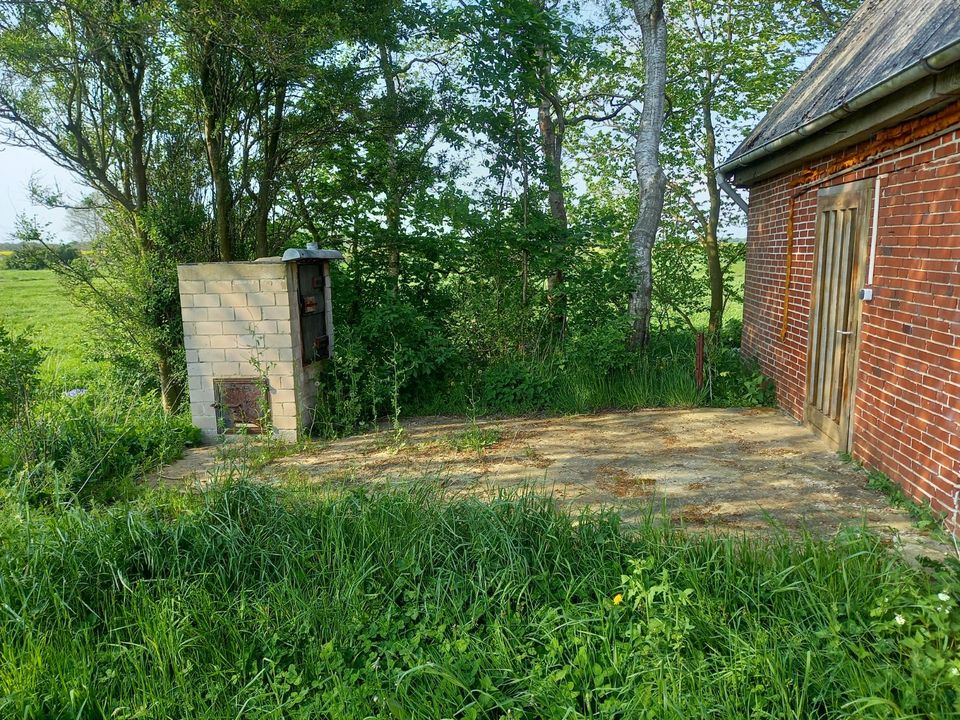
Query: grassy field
[[252, 602], [35, 298]]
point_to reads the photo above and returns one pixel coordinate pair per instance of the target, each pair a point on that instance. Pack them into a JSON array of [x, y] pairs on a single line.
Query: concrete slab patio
[[733, 470]]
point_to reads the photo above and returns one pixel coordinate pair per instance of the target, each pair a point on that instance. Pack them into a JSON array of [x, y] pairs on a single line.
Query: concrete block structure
[[852, 295], [256, 334]]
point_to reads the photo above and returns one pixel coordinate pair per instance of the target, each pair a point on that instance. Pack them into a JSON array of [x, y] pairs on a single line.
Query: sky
[[17, 166]]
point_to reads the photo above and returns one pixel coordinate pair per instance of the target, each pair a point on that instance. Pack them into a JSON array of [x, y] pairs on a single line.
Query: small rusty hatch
[[242, 404]]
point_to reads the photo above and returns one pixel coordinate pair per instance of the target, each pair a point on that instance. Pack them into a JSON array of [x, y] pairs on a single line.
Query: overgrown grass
[[663, 377], [253, 602], [92, 443]]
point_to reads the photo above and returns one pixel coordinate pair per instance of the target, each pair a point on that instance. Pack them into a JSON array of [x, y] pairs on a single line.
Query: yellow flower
[[618, 598]]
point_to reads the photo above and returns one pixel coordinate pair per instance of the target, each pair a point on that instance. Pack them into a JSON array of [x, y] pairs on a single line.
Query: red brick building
[[852, 296]]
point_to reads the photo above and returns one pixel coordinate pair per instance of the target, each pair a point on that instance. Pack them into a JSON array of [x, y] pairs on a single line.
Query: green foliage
[[475, 439], [517, 386], [30, 256], [735, 382], [391, 353], [252, 601], [89, 442], [923, 514], [19, 365], [36, 249]]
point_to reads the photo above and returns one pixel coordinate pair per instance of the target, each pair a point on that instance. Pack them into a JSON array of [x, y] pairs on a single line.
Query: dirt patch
[[739, 470], [619, 483]]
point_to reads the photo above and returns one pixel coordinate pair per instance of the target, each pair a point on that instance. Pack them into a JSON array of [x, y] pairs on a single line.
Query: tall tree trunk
[[222, 193], [172, 389], [212, 92], [393, 200], [651, 179], [271, 164], [710, 240], [551, 122], [551, 140]]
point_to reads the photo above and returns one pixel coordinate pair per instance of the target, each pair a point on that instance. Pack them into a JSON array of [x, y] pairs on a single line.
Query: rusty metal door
[[839, 262]]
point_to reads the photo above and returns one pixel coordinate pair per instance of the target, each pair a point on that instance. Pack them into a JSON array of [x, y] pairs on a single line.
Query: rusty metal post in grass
[[698, 373]]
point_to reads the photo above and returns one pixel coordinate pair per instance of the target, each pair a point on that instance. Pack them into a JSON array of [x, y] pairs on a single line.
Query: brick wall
[[907, 407], [233, 313]]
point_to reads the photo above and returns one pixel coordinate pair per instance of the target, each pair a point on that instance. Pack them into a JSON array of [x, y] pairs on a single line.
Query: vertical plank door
[[839, 261]]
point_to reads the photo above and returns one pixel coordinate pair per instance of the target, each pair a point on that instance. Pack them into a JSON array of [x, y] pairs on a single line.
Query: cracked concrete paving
[[731, 470]]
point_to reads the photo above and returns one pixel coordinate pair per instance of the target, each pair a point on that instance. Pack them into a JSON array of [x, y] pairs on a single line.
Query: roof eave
[[932, 64]]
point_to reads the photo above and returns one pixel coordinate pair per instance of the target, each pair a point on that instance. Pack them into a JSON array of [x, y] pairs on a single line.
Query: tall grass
[[254, 602], [663, 377], [91, 443]]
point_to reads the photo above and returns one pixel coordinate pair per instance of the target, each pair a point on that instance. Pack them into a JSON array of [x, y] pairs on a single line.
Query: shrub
[[90, 443], [391, 353], [34, 256], [735, 382], [517, 386], [602, 348], [19, 362]]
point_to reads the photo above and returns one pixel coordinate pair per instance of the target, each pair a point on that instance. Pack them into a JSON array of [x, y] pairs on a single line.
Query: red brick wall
[[907, 408]]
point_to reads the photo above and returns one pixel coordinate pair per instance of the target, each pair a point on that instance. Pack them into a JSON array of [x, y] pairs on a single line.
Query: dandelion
[[618, 598], [899, 619], [943, 596]]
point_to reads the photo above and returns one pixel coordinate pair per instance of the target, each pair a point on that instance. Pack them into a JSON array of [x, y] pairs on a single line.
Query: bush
[[92, 443], [734, 382], [602, 348], [517, 386], [19, 362], [392, 353], [34, 256]]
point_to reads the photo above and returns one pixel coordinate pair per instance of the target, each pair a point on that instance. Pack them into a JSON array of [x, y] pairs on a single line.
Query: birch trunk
[[651, 180]]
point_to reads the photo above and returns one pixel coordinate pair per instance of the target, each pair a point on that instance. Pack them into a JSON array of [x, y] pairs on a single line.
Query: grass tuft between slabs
[[248, 601]]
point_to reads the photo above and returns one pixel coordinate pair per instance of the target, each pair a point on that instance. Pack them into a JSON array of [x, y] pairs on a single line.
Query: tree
[[36, 249], [547, 57], [82, 82], [651, 180], [728, 61]]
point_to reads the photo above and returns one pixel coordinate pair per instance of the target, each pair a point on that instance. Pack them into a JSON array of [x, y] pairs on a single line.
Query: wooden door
[[839, 262]]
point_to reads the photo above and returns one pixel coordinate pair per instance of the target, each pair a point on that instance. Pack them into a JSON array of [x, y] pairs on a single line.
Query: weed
[[923, 515], [475, 438]]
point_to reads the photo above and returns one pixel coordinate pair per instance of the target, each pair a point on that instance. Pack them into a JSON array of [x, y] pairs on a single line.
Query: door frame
[[858, 194]]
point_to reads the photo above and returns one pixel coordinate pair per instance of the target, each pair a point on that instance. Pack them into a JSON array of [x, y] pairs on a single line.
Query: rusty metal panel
[[313, 312], [242, 404]]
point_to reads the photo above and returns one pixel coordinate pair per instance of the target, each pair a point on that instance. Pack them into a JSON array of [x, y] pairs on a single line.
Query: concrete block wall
[[236, 315], [906, 412]]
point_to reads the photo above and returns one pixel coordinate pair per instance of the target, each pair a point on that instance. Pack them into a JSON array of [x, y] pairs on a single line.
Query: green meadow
[[35, 300]]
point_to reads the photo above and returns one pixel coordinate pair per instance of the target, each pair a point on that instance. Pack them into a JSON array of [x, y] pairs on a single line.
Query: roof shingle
[[882, 38]]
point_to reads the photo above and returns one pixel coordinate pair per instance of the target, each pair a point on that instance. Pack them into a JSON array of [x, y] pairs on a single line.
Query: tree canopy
[[474, 160]]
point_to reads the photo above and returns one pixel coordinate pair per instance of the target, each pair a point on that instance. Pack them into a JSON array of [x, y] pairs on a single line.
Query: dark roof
[[882, 38]]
